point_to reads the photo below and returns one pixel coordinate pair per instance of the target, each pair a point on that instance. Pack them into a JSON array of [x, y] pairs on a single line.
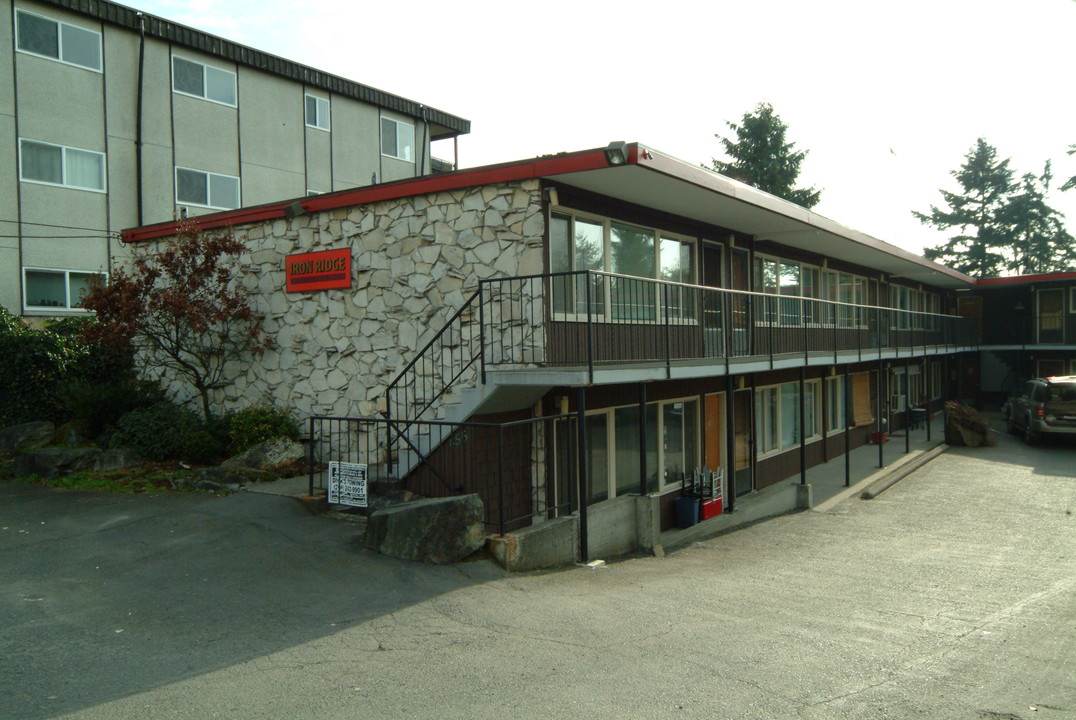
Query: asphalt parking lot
[[953, 595]]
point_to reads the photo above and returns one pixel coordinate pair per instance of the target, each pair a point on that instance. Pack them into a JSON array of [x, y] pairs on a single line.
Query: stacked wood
[[964, 427]]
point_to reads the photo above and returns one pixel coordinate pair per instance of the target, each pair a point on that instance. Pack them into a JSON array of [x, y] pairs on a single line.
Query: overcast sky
[[887, 97]]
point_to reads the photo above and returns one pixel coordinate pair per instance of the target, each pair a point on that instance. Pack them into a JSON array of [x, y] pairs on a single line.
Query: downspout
[[425, 139], [138, 114]]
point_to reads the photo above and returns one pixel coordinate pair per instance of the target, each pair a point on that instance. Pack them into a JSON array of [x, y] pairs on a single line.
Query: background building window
[[317, 112], [397, 139], [195, 187], [59, 165], [67, 43], [210, 83], [56, 289]]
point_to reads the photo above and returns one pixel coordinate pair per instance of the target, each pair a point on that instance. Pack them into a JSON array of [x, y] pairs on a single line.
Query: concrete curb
[[899, 468], [895, 475]]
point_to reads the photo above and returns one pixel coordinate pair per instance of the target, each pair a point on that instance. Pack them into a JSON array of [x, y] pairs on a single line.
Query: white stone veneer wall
[[415, 260]]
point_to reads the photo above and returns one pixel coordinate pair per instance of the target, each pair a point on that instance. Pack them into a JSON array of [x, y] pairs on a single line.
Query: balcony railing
[[597, 319]]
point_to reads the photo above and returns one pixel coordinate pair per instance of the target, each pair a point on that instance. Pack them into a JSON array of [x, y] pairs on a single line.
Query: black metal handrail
[[493, 460], [441, 362], [579, 319]]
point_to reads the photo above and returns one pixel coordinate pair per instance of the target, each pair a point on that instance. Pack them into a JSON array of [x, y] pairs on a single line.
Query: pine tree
[[1071, 182], [978, 211], [1040, 242], [761, 157]]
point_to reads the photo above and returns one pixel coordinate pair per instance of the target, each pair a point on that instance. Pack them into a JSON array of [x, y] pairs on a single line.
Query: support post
[[907, 406], [642, 439], [730, 445], [500, 478], [310, 455], [803, 426], [590, 330], [583, 486], [481, 332], [847, 430], [879, 385]]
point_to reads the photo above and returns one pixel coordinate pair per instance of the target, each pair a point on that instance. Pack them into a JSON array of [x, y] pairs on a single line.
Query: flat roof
[[648, 178], [1026, 279], [442, 124]]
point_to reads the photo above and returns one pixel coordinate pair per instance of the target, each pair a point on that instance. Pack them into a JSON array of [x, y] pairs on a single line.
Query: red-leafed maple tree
[[178, 305]]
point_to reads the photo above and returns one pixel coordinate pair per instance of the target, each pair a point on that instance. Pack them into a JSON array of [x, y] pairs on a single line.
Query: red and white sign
[[318, 270]]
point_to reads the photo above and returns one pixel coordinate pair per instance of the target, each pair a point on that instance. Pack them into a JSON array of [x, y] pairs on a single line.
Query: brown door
[[742, 444], [715, 431], [1051, 315]]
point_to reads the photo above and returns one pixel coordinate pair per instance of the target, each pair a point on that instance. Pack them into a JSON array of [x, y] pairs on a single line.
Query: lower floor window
[[613, 455], [836, 412], [777, 415], [63, 289]]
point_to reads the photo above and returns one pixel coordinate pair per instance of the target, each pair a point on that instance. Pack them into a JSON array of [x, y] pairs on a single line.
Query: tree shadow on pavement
[[104, 596]]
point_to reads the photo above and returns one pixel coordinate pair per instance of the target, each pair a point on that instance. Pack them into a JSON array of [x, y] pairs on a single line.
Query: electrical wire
[[60, 227]]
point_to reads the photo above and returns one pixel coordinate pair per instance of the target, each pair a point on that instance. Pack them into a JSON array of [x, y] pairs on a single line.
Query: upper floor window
[[577, 243], [56, 289], [317, 112], [204, 81], [58, 165], [397, 139], [206, 189], [49, 38]]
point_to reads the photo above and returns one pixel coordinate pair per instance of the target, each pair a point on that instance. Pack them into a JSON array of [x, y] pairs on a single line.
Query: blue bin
[[687, 512]]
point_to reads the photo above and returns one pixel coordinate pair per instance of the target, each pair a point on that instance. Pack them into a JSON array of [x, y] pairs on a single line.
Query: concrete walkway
[[826, 484]]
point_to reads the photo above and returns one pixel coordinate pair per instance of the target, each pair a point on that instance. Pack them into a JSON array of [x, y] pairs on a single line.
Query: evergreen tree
[[1039, 241], [1071, 182], [763, 158], [978, 211]]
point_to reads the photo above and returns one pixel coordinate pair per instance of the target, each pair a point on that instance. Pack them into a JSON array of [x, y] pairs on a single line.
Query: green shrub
[[32, 363], [35, 364], [259, 423], [156, 432], [200, 447], [100, 405]]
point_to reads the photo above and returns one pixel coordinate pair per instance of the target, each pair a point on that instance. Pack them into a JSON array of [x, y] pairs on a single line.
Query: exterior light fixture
[[617, 152], [294, 210]]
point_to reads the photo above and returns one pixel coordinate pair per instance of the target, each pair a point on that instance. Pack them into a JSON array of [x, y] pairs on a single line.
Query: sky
[[888, 98]]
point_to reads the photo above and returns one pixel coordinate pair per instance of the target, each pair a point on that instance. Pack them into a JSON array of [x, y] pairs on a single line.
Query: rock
[[71, 433], [26, 435], [55, 462], [964, 427], [267, 455], [438, 530], [116, 459]]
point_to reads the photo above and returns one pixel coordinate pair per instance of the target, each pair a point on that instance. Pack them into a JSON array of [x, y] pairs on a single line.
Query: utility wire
[[58, 237], [61, 227]]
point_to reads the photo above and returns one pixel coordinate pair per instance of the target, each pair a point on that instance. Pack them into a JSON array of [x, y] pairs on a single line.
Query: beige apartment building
[[111, 118]]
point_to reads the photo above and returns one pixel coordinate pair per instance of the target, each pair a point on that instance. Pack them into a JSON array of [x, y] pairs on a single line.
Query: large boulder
[[50, 463], [278, 452], [438, 530], [116, 459], [26, 435], [54, 462]]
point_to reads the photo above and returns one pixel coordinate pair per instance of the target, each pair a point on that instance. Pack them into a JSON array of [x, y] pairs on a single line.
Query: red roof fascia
[[1016, 279], [507, 172]]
